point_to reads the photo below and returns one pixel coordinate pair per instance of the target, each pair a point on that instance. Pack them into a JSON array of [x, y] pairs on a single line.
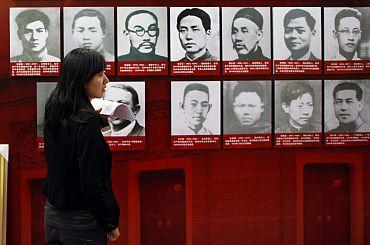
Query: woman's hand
[[113, 235]]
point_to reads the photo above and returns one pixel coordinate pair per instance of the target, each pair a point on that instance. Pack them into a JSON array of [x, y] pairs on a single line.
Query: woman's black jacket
[[79, 169]]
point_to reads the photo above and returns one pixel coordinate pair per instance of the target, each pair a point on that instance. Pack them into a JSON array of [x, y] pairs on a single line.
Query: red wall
[[238, 196]]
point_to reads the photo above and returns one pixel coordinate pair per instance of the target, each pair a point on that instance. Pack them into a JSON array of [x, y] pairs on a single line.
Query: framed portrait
[[247, 114], [34, 41], [347, 106], [43, 90], [347, 112], [123, 108], [93, 28], [257, 19], [142, 41], [337, 35], [195, 114], [298, 113], [195, 43], [178, 50], [158, 46], [346, 40], [246, 40], [247, 107], [297, 40]]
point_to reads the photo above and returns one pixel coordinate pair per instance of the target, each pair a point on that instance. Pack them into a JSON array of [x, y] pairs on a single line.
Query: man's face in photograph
[[348, 34], [347, 107], [193, 36], [143, 32], [300, 110], [122, 96], [245, 35], [195, 107], [88, 32], [297, 35], [34, 36], [248, 108]]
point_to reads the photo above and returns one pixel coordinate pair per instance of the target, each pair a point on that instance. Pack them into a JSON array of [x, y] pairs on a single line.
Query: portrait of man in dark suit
[[348, 104], [142, 29], [299, 29], [348, 24], [194, 29], [246, 34], [127, 95]]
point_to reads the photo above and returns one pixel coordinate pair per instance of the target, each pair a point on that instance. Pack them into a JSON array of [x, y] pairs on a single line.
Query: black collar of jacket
[[84, 113]]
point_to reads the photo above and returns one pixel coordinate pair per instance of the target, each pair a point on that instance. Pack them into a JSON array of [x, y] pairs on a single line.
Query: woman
[[80, 207]]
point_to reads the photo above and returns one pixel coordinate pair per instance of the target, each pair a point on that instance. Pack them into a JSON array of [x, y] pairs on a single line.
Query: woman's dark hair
[[79, 66]]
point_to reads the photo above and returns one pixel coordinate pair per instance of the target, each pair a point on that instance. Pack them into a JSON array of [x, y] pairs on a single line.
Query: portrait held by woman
[[81, 207]]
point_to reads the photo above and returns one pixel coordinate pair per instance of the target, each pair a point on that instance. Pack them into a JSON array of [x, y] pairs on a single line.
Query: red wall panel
[[367, 196]]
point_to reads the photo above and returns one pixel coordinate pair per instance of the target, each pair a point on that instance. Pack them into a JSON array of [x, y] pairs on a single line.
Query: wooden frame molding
[[134, 170], [3, 191], [355, 162]]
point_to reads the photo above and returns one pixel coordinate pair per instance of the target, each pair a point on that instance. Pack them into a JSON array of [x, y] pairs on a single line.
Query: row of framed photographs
[[142, 39], [249, 113]]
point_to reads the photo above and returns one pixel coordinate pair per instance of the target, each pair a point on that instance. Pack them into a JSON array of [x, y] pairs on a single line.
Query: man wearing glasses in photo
[[141, 27], [348, 33]]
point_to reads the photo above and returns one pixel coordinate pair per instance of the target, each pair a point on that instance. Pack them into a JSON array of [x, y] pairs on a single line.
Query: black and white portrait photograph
[[298, 106], [195, 108], [123, 105], [142, 34], [346, 34], [246, 33], [347, 106], [34, 34], [43, 93], [297, 33], [89, 27], [247, 107], [195, 34]]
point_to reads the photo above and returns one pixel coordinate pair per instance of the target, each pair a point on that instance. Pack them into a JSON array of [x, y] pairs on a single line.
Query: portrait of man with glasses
[[142, 29], [345, 33]]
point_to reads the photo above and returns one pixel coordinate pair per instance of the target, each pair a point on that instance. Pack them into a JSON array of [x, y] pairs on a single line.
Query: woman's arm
[[93, 175]]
